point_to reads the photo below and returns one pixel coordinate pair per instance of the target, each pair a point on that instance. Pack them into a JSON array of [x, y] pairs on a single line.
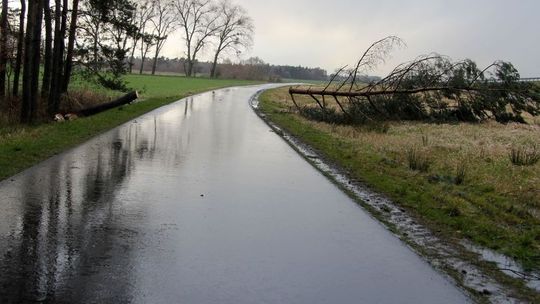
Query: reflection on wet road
[[197, 202]]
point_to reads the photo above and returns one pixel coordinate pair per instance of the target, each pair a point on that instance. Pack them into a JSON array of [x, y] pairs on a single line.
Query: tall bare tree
[[3, 47], [198, 20], [235, 30], [144, 10], [163, 23]]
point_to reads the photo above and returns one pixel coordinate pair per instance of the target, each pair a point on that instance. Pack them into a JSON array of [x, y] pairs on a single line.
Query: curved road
[[197, 202]]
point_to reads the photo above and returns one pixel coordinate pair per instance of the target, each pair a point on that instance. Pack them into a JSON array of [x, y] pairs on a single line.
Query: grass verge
[[22, 146], [460, 181]]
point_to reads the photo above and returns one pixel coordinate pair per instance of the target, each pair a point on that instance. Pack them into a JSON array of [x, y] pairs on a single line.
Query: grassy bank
[[456, 179], [23, 146]]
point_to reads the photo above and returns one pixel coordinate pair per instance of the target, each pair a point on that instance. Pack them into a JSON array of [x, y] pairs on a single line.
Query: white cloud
[[331, 34]]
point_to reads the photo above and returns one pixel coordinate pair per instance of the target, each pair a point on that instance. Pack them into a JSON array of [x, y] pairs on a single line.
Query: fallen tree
[[128, 98], [430, 87]]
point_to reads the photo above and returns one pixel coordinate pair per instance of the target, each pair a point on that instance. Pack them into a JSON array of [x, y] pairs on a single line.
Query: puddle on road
[[507, 265]]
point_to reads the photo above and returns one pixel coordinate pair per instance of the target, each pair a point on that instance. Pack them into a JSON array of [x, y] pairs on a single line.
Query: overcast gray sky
[[330, 34]]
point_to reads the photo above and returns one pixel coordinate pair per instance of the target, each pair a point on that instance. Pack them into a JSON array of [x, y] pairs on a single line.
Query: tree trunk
[[71, 46], [189, 71], [96, 45], [20, 48], [144, 51], [31, 61], [36, 59], [156, 56], [214, 65], [154, 64], [55, 58], [3, 48], [132, 57], [26, 104], [142, 65], [46, 82], [58, 57], [130, 97], [188, 60]]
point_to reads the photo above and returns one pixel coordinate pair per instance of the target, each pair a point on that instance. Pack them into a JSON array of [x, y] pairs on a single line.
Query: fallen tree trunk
[[368, 93], [128, 98]]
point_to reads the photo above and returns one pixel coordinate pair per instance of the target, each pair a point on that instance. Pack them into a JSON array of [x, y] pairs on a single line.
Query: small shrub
[[453, 211], [417, 160], [459, 179], [425, 140], [328, 115], [379, 127], [438, 178], [10, 110], [525, 155]]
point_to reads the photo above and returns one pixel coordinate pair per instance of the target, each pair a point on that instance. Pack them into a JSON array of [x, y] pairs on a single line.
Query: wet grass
[[22, 146], [456, 179]]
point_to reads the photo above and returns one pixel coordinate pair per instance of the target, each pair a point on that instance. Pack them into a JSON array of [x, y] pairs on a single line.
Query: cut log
[[128, 98]]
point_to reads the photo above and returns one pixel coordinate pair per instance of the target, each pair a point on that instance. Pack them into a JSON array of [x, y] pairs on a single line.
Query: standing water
[[197, 202]]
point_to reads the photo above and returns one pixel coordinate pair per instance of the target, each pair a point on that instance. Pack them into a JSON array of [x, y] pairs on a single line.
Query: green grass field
[[172, 86], [22, 146], [161, 85]]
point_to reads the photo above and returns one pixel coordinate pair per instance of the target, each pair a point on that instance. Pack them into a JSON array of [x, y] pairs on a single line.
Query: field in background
[[455, 178], [159, 85], [22, 146], [309, 82], [172, 86]]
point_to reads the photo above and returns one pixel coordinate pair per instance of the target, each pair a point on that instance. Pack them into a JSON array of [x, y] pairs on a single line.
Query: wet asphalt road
[[198, 202]]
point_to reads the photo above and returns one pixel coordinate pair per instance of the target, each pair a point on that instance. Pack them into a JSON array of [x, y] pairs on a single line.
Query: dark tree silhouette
[[20, 48], [32, 61], [47, 59], [3, 47], [71, 45], [60, 20]]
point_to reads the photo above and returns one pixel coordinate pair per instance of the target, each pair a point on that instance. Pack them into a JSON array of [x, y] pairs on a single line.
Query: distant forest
[[251, 69]]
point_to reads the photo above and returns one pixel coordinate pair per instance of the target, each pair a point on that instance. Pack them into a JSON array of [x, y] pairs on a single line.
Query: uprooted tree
[[432, 88]]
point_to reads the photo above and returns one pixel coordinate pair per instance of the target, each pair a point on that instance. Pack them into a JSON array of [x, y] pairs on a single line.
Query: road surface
[[198, 202]]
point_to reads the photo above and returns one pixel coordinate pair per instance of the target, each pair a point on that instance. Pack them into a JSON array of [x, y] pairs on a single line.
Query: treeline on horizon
[[251, 69]]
